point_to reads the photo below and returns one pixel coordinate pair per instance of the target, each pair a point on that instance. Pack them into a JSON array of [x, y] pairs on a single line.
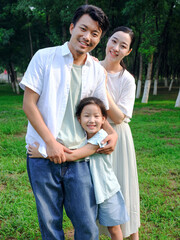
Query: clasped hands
[[56, 151]]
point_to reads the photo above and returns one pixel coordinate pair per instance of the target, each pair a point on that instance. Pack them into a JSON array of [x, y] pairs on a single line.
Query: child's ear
[[103, 120], [79, 120]]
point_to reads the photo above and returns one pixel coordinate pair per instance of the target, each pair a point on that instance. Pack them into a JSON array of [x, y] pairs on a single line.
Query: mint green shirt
[[104, 179], [71, 133]]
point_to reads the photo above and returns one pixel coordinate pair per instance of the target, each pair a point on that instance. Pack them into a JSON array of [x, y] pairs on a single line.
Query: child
[[91, 114]]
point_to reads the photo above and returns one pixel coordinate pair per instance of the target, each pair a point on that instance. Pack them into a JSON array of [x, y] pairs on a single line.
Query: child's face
[[91, 119]]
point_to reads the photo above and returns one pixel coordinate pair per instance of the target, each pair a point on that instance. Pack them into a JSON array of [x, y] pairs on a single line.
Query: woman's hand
[[95, 59], [111, 141]]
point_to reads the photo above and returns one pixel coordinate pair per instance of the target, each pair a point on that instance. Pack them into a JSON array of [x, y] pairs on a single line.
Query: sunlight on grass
[[156, 130]]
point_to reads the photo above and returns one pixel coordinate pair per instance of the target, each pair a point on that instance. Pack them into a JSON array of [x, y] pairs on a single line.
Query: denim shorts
[[113, 211]]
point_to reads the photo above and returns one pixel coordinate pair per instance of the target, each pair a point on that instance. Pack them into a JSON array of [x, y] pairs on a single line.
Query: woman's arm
[[110, 140], [114, 112]]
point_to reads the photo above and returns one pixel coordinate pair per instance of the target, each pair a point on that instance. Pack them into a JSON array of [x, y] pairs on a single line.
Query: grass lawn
[[156, 132]]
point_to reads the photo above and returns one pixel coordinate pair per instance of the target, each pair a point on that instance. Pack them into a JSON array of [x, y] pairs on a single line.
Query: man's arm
[[111, 139], [76, 154], [55, 150]]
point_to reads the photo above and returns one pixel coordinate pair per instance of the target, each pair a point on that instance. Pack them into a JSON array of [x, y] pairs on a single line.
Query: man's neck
[[80, 59]]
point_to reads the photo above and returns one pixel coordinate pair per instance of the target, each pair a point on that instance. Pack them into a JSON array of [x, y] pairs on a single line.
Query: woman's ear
[[129, 52]]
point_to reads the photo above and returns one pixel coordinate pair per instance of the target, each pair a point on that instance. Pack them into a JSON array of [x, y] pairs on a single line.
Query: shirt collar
[[89, 59], [66, 51]]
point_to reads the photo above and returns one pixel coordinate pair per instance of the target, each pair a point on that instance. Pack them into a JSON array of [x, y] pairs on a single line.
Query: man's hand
[[55, 152], [111, 141]]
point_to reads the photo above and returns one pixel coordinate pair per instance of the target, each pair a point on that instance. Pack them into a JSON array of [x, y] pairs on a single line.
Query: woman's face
[[118, 46]]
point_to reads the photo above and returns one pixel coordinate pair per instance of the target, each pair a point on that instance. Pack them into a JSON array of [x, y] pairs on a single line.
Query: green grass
[[156, 131]]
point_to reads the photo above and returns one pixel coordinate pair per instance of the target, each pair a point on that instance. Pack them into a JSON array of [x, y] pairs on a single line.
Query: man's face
[[85, 35]]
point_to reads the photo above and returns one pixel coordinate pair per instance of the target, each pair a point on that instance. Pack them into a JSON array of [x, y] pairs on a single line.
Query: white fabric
[[49, 75], [124, 166], [121, 87], [104, 180]]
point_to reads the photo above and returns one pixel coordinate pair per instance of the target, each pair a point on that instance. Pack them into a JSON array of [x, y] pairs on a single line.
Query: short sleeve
[[100, 91], [98, 138], [33, 77], [127, 96]]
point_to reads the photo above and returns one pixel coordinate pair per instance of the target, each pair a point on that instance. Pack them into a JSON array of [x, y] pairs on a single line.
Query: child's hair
[[91, 100]]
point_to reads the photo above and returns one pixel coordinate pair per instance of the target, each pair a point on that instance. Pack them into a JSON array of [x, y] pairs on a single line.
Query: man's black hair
[[95, 13]]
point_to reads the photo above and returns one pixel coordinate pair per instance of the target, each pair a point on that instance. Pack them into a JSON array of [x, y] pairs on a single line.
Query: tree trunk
[[171, 83], [156, 76], [155, 86], [136, 56], [17, 87], [138, 92], [147, 84], [30, 41], [13, 78], [165, 82], [177, 104]]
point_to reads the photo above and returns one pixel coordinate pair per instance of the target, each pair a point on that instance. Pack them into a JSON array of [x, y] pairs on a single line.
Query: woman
[[121, 96]]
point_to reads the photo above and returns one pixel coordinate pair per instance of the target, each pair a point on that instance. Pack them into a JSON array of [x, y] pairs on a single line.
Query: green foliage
[[28, 25], [5, 35]]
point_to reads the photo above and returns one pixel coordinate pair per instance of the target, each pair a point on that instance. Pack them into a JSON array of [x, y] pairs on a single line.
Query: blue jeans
[[68, 184]]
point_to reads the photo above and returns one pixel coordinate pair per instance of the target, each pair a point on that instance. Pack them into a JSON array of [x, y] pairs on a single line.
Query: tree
[[28, 25], [152, 20], [177, 104], [138, 92]]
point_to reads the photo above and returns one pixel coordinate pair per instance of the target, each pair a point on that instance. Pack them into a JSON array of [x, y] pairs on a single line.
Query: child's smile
[[91, 119]]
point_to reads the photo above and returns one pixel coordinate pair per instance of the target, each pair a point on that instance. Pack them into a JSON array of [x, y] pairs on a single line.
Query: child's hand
[[33, 151]]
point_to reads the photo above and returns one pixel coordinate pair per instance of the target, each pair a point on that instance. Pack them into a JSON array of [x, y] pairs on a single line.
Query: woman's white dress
[[121, 87]]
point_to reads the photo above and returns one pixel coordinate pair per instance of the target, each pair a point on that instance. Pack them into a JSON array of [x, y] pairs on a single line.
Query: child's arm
[[76, 154], [33, 151], [82, 152]]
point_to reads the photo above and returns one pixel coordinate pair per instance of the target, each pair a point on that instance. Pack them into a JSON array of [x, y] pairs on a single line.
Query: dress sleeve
[[127, 96], [98, 137]]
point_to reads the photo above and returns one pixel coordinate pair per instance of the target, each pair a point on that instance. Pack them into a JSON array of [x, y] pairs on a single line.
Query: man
[[55, 81]]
